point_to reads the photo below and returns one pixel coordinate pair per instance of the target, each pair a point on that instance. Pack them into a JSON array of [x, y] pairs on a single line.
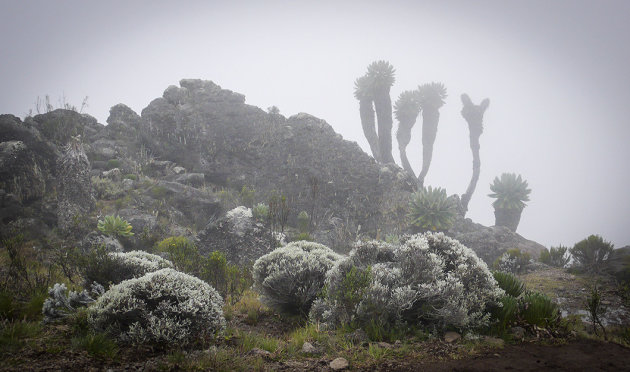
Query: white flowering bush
[[290, 277], [429, 280], [163, 307], [114, 267]]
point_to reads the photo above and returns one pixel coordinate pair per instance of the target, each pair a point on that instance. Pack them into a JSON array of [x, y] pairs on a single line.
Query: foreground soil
[[574, 355], [577, 355]]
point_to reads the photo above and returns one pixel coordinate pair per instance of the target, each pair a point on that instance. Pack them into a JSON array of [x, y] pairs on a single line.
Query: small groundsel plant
[[429, 280], [260, 212], [596, 310], [165, 307], [590, 253], [521, 306], [513, 261], [115, 226], [555, 256], [290, 277], [431, 209]]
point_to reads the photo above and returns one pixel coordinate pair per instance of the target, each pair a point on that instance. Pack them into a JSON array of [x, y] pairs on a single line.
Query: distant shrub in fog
[[290, 278], [112, 267], [513, 261], [162, 307], [591, 252], [429, 279]]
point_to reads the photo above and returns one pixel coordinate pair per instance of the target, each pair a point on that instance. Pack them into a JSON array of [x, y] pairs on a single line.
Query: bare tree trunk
[[383, 106], [474, 146], [403, 136], [430, 119], [366, 110]]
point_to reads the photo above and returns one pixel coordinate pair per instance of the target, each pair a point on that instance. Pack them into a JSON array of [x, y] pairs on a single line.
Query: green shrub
[[182, 253], [106, 189], [13, 335], [509, 283], [303, 236], [130, 176], [303, 222], [113, 163], [591, 252], [107, 268], [596, 309], [247, 195], [432, 210], [555, 256], [513, 261], [538, 309], [260, 212], [158, 192], [115, 226]]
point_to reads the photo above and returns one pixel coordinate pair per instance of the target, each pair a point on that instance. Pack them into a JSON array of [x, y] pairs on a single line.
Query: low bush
[[555, 256], [429, 280], [260, 212], [59, 304], [106, 189], [290, 278], [590, 253], [513, 261], [107, 268], [182, 253], [165, 307]]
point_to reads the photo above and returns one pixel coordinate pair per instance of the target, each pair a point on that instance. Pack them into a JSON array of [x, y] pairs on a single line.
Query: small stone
[[338, 364], [259, 352], [308, 348], [518, 332], [494, 341], [179, 170], [397, 343], [384, 345], [451, 336]]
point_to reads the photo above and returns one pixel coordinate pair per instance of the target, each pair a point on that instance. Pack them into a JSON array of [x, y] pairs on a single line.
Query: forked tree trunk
[[366, 110], [403, 136]]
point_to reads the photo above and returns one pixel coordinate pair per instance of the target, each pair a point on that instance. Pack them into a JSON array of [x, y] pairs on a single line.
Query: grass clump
[[97, 345]]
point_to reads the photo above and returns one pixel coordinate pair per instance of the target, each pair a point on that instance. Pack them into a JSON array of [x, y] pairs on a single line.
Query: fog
[[556, 73]]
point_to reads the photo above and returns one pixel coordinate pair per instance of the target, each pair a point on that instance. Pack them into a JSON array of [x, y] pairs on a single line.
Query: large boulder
[[238, 236], [491, 242]]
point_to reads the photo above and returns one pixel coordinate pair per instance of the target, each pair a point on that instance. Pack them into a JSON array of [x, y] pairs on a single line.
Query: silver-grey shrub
[[290, 277], [163, 307], [108, 268], [428, 280]]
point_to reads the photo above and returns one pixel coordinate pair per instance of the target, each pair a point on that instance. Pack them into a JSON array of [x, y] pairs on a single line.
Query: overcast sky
[[557, 74]]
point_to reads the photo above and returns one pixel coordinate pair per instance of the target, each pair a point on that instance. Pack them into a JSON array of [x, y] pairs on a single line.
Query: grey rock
[[191, 179], [491, 242], [113, 174], [518, 332], [339, 364], [308, 348], [451, 336], [93, 240], [259, 352]]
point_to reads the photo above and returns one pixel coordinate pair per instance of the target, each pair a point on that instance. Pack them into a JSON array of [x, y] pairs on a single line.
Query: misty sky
[[557, 74]]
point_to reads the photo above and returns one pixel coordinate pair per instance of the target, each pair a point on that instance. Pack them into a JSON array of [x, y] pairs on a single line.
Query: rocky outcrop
[[212, 131], [74, 186], [491, 242], [238, 236]]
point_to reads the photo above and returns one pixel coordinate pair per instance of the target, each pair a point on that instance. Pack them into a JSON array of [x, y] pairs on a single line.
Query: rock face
[[238, 236], [74, 186], [491, 242], [212, 131]]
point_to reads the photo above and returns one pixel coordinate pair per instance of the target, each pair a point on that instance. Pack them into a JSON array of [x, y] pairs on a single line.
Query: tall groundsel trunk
[[430, 120], [383, 106], [366, 111], [475, 147]]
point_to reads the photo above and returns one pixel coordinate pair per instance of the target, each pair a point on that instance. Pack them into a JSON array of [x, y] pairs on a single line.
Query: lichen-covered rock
[[74, 186], [238, 236], [491, 242]]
